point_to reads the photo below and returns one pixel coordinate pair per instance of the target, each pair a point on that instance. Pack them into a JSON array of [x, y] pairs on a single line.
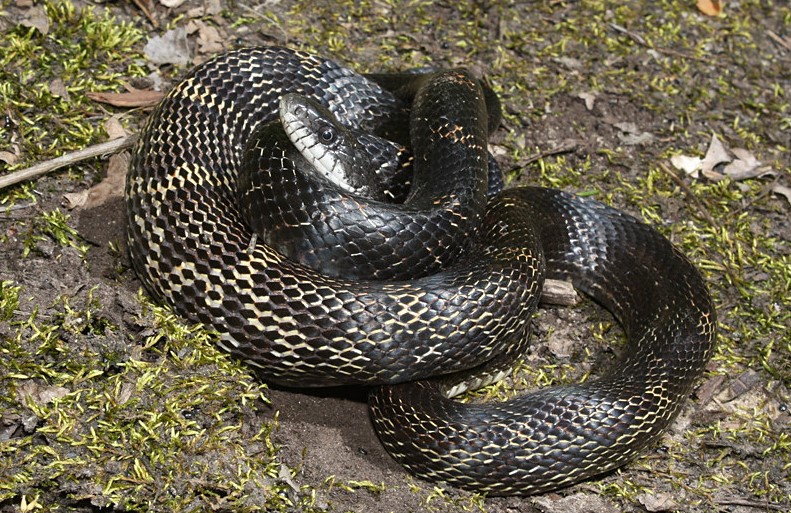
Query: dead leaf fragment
[[72, 200], [715, 155], [636, 139], [588, 98], [744, 166], [209, 39], [658, 502], [40, 394], [627, 127], [782, 190], [135, 98], [207, 8], [114, 128], [58, 88], [37, 18], [710, 7], [169, 48], [8, 157], [631, 134], [110, 187], [689, 165]]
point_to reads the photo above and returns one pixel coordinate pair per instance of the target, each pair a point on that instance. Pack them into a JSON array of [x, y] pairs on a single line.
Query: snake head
[[330, 147]]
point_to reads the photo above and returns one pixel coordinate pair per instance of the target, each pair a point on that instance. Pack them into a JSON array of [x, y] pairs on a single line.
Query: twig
[[41, 168], [640, 40], [557, 292], [564, 147], [785, 43], [704, 211], [691, 195], [750, 504], [144, 6]]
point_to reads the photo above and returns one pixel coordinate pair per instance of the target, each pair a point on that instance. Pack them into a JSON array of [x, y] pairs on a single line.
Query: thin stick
[[565, 147], [701, 208], [42, 168], [691, 195]]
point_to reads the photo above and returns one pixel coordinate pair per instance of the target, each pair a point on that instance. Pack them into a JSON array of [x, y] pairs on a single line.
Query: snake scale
[[193, 250]]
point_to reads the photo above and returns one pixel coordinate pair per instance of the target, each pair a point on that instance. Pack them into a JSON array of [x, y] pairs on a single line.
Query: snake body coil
[[192, 249]]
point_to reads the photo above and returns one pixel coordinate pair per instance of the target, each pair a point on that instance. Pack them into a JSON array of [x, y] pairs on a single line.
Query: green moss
[[9, 299], [125, 429], [84, 50], [126, 422], [52, 225]]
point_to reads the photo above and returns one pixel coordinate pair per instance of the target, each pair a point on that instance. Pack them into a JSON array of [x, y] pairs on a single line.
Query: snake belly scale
[[298, 327]]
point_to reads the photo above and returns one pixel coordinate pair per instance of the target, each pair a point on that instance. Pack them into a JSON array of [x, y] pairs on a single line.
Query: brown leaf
[[782, 190], [169, 48], [37, 18], [110, 187], [659, 502], [710, 7], [716, 154], [114, 128], [58, 88], [8, 157], [135, 98], [40, 394], [690, 165], [210, 40]]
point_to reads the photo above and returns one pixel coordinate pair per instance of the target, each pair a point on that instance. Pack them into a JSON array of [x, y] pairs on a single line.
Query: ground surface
[[107, 402]]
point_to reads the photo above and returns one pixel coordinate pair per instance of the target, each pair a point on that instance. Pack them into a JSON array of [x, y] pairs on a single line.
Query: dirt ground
[[108, 403]]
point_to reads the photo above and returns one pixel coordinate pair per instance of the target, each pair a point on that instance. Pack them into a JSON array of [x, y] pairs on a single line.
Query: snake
[[412, 339]]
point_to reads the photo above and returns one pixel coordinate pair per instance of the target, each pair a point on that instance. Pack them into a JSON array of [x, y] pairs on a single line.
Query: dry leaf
[[170, 48], [658, 502], [689, 165], [710, 7], [171, 3], [40, 394], [114, 128], [58, 88], [72, 200], [8, 157], [783, 191], [588, 98], [135, 98], [110, 187], [208, 8], [635, 139], [745, 166], [209, 39], [716, 154], [37, 18]]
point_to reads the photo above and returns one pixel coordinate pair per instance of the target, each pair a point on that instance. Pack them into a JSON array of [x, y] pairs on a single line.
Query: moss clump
[[55, 226], [114, 423], [44, 78]]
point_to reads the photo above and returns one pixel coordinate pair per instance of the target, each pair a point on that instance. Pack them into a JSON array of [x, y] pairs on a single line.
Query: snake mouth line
[[297, 117]]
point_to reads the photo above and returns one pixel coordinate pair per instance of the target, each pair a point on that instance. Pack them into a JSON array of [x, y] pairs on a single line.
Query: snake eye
[[327, 134]]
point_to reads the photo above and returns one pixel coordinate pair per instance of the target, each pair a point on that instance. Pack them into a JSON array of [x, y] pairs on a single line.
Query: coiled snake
[[192, 249]]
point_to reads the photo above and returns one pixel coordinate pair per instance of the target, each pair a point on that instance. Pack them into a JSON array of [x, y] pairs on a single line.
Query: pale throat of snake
[[330, 147]]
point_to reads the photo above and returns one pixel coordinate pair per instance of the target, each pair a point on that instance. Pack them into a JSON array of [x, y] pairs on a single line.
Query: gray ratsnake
[[342, 305]]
